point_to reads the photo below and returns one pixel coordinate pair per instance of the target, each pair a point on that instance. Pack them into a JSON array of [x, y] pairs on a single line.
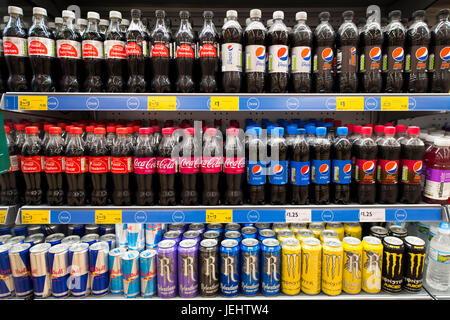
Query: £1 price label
[[35, 216], [298, 215], [224, 103], [219, 216], [108, 216], [372, 215]]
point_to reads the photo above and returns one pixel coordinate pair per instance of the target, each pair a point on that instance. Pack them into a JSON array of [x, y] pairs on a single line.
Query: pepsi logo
[[391, 167], [278, 169], [282, 54], [230, 47], [347, 168], [353, 50], [417, 167], [257, 169], [260, 53], [398, 54], [306, 54], [304, 170], [422, 54], [323, 168], [445, 53], [368, 166], [375, 54], [327, 54]]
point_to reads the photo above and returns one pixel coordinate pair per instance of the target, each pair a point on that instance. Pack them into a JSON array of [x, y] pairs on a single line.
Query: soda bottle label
[[417, 59], [255, 58], [234, 165], [76, 165], [145, 165], [387, 171], [323, 59], [115, 49], [365, 171], [393, 59], [231, 57], [342, 171], [278, 58], [189, 165], [301, 60], [54, 164], [68, 49], [256, 173], [121, 164], [92, 49], [346, 59], [371, 59], [300, 173], [38, 46], [208, 50], [212, 164], [185, 50], [166, 165], [99, 164], [14, 162], [441, 59], [136, 48], [32, 164], [320, 171], [278, 172], [437, 184], [160, 50], [411, 171], [14, 46]]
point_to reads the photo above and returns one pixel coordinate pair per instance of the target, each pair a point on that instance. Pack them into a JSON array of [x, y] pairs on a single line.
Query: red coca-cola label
[[208, 50], [54, 164], [99, 164], [115, 49], [75, 165], [160, 50], [189, 165], [14, 163], [365, 171], [14, 46], [234, 165], [212, 164], [145, 165], [387, 171], [411, 171], [92, 49], [32, 164], [185, 51], [121, 164], [166, 165], [133, 49], [41, 46], [68, 49]]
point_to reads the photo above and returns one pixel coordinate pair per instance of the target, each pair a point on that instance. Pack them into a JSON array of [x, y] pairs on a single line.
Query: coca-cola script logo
[[208, 50], [90, 50], [144, 165], [10, 48], [37, 47], [189, 165], [166, 165], [212, 164], [133, 49], [67, 50], [117, 51], [234, 165], [120, 164], [185, 51], [31, 164], [160, 50]]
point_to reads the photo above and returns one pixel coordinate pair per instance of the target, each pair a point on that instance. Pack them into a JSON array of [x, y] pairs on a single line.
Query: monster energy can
[[284, 234], [352, 229], [351, 277], [378, 232], [414, 263], [316, 228], [371, 264], [398, 231], [291, 253], [332, 263], [188, 268], [229, 270], [270, 267], [328, 234], [250, 252], [302, 234], [338, 227], [277, 226], [209, 267], [167, 268], [392, 274]]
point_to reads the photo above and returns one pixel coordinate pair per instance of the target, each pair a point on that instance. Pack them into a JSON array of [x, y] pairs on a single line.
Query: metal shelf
[[438, 295], [8, 214]]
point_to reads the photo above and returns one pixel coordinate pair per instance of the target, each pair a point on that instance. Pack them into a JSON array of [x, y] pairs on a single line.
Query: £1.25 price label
[[298, 215], [372, 215]]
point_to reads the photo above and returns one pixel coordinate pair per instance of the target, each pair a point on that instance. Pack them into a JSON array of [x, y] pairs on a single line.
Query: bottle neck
[[184, 24], [92, 25], [122, 137], [160, 23], [207, 23], [38, 20], [14, 19], [114, 25], [135, 24], [68, 22]]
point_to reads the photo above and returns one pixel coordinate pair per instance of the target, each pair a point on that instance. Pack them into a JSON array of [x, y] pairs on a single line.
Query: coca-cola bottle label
[[255, 58], [38, 46], [393, 59], [14, 46], [365, 171], [212, 164], [115, 49], [323, 59], [278, 58], [121, 164], [189, 165], [166, 165], [54, 164], [278, 172], [76, 165], [99, 164], [300, 173], [370, 60], [256, 173], [145, 165], [138, 48], [411, 171], [301, 59], [234, 165], [231, 57], [185, 50], [68, 49], [346, 59], [32, 164], [342, 171], [14, 162], [160, 50], [417, 60], [387, 171], [440, 60], [92, 49], [437, 184], [208, 50], [320, 171]]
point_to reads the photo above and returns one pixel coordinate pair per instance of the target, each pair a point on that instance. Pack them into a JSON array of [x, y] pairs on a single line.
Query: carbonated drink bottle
[[256, 166], [417, 40], [299, 164], [412, 154], [81, 26], [387, 168], [54, 167], [160, 53], [76, 166], [440, 53], [124, 24], [400, 132], [121, 168], [255, 53], [366, 151], [157, 136], [379, 133], [136, 50], [166, 164], [20, 135], [93, 54], [324, 36], [278, 40], [301, 48], [347, 54], [231, 53], [394, 53], [184, 55], [144, 168], [342, 166], [103, 26], [89, 136], [190, 161], [58, 24], [9, 192], [278, 167], [320, 167], [437, 181], [99, 167], [208, 54], [212, 160], [115, 54], [310, 134], [15, 50], [32, 165], [234, 167]]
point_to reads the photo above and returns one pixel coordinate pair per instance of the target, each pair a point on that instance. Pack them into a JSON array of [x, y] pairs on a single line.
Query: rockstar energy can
[[392, 274], [332, 258], [328, 234], [353, 229], [372, 256], [311, 266], [302, 234], [316, 228], [338, 227], [291, 254], [351, 276], [414, 261]]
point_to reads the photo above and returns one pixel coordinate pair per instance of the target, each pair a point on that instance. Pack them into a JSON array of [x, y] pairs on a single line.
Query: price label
[[225, 103], [219, 216], [298, 215], [394, 103], [32, 102], [350, 103], [372, 215], [108, 216], [162, 103], [2, 216], [35, 216]]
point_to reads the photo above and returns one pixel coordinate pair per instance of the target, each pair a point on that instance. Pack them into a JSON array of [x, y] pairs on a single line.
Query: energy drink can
[[6, 279], [372, 258], [115, 270], [19, 257], [188, 268], [270, 267], [332, 254], [414, 261], [393, 251], [58, 256], [40, 270], [167, 268], [291, 255], [353, 229], [351, 278], [130, 274], [250, 266], [338, 227], [147, 266], [209, 271], [229, 270], [98, 266]]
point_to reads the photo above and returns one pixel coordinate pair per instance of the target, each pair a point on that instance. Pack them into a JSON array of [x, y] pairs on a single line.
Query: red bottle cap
[[233, 131], [379, 128], [47, 127], [357, 129], [69, 127], [211, 131], [99, 130], [62, 125], [122, 131], [366, 131], [55, 130], [32, 129], [76, 130], [19, 127], [390, 131], [400, 128], [337, 123], [157, 128], [130, 130], [7, 129], [350, 127], [144, 130], [189, 131], [150, 130], [100, 125], [136, 128], [110, 129], [90, 129], [168, 130], [413, 130], [388, 124]]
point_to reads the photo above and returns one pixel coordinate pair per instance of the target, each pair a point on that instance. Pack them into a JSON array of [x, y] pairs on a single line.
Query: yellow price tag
[[2, 216], [394, 103], [108, 216], [32, 102], [219, 216], [162, 103], [224, 103], [350, 103], [35, 216]]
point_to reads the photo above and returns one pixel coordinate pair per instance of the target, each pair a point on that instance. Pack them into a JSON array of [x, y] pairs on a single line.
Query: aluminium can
[[277, 226], [328, 234], [58, 257], [90, 238], [121, 235], [352, 273], [167, 268], [302, 234], [332, 265], [234, 235], [250, 266], [153, 235], [136, 236], [180, 227], [76, 230], [291, 269], [353, 229], [5, 229], [173, 235], [415, 255], [266, 234], [262, 225], [6, 278], [249, 232], [106, 229], [40, 270], [19, 257], [4, 238], [229, 267], [392, 272], [232, 227], [147, 267], [33, 229], [316, 228], [188, 268], [55, 238], [115, 270], [79, 284], [270, 267], [398, 231], [130, 274], [378, 232], [110, 239], [35, 238], [98, 266], [20, 230], [200, 227], [372, 259], [70, 240], [284, 234], [215, 227], [211, 234], [338, 227], [311, 279], [92, 229], [191, 235], [209, 271], [15, 240]]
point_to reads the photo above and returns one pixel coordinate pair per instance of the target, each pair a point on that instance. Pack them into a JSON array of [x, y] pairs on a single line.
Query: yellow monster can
[[338, 227], [311, 266], [302, 234], [353, 229], [298, 226], [328, 234], [372, 258], [284, 234], [291, 255], [277, 226], [351, 276], [316, 228], [332, 262]]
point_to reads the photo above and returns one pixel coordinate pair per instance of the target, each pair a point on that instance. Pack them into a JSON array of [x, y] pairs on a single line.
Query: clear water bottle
[[438, 271]]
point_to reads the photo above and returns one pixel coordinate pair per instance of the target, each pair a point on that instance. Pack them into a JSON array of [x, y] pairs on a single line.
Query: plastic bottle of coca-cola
[[32, 165], [190, 160], [93, 54], [166, 164], [212, 159], [208, 54], [144, 167], [161, 54], [54, 167], [136, 50], [99, 167], [234, 166], [76, 166], [184, 54], [121, 167], [157, 136], [9, 194], [115, 54]]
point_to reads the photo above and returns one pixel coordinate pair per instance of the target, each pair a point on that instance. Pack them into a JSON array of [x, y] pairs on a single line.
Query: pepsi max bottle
[[278, 167], [342, 166], [320, 167]]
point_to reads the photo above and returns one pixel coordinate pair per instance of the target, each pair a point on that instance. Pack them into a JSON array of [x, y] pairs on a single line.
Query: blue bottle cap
[[342, 131], [328, 124], [270, 129], [279, 131], [310, 129], [301, 131], [292, 129], [321, 131], [444, 226], [249, 121], [254, 131]]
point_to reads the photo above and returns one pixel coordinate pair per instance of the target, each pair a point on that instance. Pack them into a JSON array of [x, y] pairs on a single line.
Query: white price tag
[[372, 215], [298, 215]]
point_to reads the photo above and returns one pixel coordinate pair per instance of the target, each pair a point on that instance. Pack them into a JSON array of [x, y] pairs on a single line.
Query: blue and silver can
[[215, 227], [121, 235], [20, 230], [147, 266], [266, 234], [15, 240], [262, 226], [232, 227], [6, 278], [55, 238], [92, 229], [35, 239], [4, 238], [153, 235], [130, 274], [90, 238], [188, 268], [40, 270], [70, 240], [250, 254], [249, 232], [58, 257], [191, 234], [110, 239], [270, 267], [19, 257], [79, 269], [115, 270], [98, 266], [235, 235], [229, 268], [76, 230], [173, 235], [136, 236], [200, 227], [248, 225], [106, 229], [211, 234], [5, 229], [33, 229]]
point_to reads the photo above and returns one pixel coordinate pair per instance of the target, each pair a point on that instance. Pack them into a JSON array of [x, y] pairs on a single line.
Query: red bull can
[[40, 270], [115, 270], [79, 283], [135, 235], [35, 239], [90, 238], [55, 238], [110, 239], [121, 235], [20, 230], [5, 229], [19, 257], [4, 238], [6, 278], [92, 229], [58, 257], [130, 274], [70, 240], [106, 229], [153, 235], [15, 240], [33, 229], [98, 266], [147, 266], [76, 230]]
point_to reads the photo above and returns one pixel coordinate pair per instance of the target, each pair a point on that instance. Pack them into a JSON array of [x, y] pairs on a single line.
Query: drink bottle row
[[259, 58], [231, 259], [298, 162]]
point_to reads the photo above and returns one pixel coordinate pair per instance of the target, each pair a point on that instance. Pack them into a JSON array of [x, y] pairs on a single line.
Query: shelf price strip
[[108, 216], [162, 103], [219, 216], [32, 102], [35, 216]]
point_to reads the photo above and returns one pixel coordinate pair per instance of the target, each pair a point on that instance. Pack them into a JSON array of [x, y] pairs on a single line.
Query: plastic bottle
[[278, 40], [400, 132], [93, 53], [342, 166], [32, 165], [121, 168], [124, 24], [299, 165], [365, 151], [208, 54], [145, 168], [189, 164], [301, 49], [232, 53], [103, 26], [58, 24], [278, 167], [320, 167], [388, 167], [136, 50], [81, 26], [347, 54], [234, 167], [99, 167], [255, 37], [379, 133], [437, 275], [324, 37], [310, 134], [76, 168], [167, 168], [437, 181], [256, 150], [9, 181], [211, 167], [184, 55], [54, 167], [440, 53], [115, 54]]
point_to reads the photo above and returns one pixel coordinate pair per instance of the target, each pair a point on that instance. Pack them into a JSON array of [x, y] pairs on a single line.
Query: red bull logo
[[445, 54], [422, 54], [304, 170], [306, 54], [417, 167], [323, 169], [391, 167], [327, 54], [375, 54], [398, 54], [278, 169], [282, 54], [257, 169], [260, 53], [347, 168], [368, 167]]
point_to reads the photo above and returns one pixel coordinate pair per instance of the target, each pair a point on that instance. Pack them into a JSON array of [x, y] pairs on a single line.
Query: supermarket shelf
[[438, 295], [222, 214], [8, 214], [224, 102]]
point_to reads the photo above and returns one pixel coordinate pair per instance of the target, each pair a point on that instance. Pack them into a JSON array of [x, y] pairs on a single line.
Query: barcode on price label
[[298, 215], [372, 215]]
